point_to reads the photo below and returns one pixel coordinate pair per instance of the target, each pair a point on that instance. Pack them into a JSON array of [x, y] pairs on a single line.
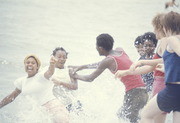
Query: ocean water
[[38, 26]]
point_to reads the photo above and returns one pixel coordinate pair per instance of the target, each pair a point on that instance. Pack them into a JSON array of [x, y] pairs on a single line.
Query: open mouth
[[62, 62], [29, 68]]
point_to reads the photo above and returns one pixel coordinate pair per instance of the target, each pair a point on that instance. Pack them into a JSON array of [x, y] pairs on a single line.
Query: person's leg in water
[[148, 115], [134, 101], [176, 117], [159, 85], [58, 111], [160, 118]]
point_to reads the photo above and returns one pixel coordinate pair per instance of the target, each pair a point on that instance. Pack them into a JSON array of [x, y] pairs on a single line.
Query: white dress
[[37, 87]]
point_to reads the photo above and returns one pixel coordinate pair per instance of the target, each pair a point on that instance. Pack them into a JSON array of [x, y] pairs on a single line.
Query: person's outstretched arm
[[138, 71], [152, 62], [81, 67], [89, 78], [10, 98], [51, 68]]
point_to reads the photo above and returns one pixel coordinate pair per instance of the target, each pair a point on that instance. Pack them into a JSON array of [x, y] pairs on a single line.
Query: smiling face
[[149, 47], [31, 66], [140, 49], [61, 56]]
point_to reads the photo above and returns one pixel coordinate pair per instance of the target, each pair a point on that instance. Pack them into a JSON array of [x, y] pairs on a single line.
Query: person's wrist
[[75, 76], [52, 65], [141, 63], [127, 72]]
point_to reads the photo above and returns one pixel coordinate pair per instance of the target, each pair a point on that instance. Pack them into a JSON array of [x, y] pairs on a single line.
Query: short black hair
[[150, 36], [57, 49], [105, 41], [138, 41]]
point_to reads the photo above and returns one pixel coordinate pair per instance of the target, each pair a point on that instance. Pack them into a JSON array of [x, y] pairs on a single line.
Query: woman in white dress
[[39, 88]]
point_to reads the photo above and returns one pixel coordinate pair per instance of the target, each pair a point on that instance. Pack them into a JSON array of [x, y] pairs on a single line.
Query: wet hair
[[157, 22], [57, 49], [150, 36], [138, 41], [171, 22], [36, 59], [105, 41]]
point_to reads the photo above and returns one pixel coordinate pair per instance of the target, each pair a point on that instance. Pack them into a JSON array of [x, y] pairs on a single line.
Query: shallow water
[[38, 26]]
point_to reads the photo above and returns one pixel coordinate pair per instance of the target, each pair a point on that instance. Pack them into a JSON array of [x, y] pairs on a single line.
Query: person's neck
[[149, 56], [31, 75], [108, 53]]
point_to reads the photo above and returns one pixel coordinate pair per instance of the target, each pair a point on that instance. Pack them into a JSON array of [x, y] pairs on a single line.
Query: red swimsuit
[[158, 83], [123, 62]]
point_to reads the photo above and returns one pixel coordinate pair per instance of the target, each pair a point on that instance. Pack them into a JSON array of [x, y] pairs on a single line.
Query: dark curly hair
[[138, 40], [150, 36], [57, 49]]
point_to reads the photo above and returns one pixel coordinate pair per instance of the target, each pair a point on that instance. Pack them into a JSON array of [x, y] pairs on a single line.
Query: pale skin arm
[[160, 67], [73, 85], [89, 78], [10, 98], [138, 71], [51, 69], [152, 62]]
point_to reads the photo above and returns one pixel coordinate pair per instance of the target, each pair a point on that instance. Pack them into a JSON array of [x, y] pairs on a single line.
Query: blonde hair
[[36, 59]]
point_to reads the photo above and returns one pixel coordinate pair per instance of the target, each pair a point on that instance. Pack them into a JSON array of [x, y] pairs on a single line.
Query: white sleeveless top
[[62, 93]]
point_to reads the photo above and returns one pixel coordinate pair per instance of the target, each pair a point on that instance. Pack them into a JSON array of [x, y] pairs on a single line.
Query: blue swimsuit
[[169, 98]]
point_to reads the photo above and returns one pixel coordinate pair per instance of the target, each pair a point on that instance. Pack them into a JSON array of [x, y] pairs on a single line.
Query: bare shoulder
[[173, 43], [167, 40], [162, 46], [105, 63], [173, 39], [119, 49], [108, 60]]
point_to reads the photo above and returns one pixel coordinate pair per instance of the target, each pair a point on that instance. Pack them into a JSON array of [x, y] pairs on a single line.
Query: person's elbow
[[74, 87], [90, 79], [47, 75]]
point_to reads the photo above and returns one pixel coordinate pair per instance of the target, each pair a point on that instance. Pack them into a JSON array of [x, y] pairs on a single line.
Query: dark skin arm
[[10, 98], [102, 66], [51, 68], [88, 66]]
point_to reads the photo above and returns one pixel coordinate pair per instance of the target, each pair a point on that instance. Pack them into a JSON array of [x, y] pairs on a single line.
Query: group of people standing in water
[[153, 82]]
